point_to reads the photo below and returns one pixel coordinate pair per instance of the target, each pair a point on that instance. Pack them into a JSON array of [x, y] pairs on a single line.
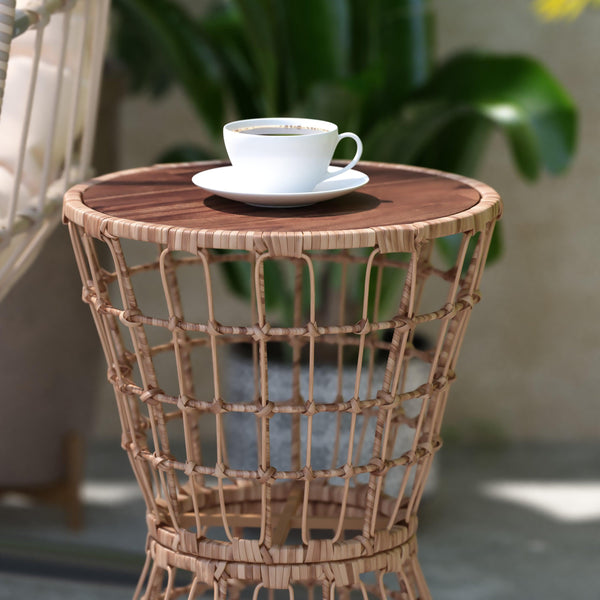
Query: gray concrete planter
[[242, 435], [50, 367]]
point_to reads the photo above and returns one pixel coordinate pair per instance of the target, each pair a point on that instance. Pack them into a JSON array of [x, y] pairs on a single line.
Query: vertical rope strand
[[98, 49], [14, 202], [7, 17], [310, 403], [74, 100], [49, 147]]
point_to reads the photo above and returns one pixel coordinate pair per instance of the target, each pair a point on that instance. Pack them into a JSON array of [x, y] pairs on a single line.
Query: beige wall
[[530, 365], [529, 368]]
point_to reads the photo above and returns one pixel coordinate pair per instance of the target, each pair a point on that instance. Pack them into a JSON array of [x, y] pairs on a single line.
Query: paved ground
[[517, 523]]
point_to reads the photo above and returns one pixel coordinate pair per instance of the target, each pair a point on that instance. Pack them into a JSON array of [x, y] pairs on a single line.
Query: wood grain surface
[[393, 196]]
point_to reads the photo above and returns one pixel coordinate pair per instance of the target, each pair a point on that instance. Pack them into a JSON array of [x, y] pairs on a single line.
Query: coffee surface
[[279, 130]]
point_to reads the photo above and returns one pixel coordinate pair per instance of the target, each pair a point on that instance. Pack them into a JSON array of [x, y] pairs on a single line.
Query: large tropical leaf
[[515, 93]]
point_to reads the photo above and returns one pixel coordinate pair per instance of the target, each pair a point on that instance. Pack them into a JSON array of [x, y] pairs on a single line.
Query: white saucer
[[224, 181]]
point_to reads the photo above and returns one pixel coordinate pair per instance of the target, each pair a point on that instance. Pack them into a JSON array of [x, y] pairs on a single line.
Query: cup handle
[[359, 149]]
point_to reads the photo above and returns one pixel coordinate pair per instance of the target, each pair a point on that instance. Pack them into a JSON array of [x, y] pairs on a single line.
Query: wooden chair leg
[[73, 448]]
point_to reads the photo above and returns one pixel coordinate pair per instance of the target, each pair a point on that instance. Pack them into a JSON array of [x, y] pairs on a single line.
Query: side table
[[360, 277]]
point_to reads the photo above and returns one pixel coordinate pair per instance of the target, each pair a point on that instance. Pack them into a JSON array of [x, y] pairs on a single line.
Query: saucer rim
[[275, 195]]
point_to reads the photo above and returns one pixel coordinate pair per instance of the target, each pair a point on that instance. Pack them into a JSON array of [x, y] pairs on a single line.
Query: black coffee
[[280, 130]]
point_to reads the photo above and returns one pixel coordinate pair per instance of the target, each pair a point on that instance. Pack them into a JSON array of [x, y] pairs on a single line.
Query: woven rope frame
[[30, 210], [337, 529]]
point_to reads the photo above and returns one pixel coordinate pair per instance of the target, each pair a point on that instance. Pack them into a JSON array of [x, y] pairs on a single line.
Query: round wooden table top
[[398, 207]]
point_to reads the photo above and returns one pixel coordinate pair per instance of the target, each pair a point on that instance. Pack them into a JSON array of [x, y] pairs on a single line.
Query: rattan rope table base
[[323, 497]]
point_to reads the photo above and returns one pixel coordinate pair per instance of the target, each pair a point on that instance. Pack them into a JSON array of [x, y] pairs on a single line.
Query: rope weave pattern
[[283, 515], [7, 15], [57, 60]]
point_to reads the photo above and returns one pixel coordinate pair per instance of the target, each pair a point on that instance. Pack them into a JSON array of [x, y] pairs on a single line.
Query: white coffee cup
[[284, 155]]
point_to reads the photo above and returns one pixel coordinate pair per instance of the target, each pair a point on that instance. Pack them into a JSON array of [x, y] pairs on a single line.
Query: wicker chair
[[51, 58]]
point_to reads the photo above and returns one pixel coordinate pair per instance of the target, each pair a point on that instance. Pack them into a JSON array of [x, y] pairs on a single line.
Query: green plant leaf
[[184, 153], [392, 43], [517, 94], [449, 246], [313, 38], [258, 21], [177, 34], [467, 135], [225, 32], [401, 136], [496, 244], [147, 69]]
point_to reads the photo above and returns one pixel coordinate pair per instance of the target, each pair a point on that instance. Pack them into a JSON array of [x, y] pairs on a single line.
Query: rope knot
[[219, 470], [261, 333], [99, 304], [127, 317], [149, 396], [175, 323], [363, 327], [348, 471], [183, 402], [265, 411], [310, 409], [214, 327], [468, 299], [105, 235], [355, 405], [308, 473], [189, 467], [158, 460], [216, 406], [312, 330], [379, 466], [365, 543], [450, 310], [400, 321], [266, 476], [387, 398]]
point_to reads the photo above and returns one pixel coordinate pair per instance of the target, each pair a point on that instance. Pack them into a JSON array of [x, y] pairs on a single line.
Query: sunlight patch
[[109, 493], [568, 501]]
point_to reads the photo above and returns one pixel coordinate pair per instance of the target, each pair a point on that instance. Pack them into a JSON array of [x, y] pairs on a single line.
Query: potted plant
[[369, 67]]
